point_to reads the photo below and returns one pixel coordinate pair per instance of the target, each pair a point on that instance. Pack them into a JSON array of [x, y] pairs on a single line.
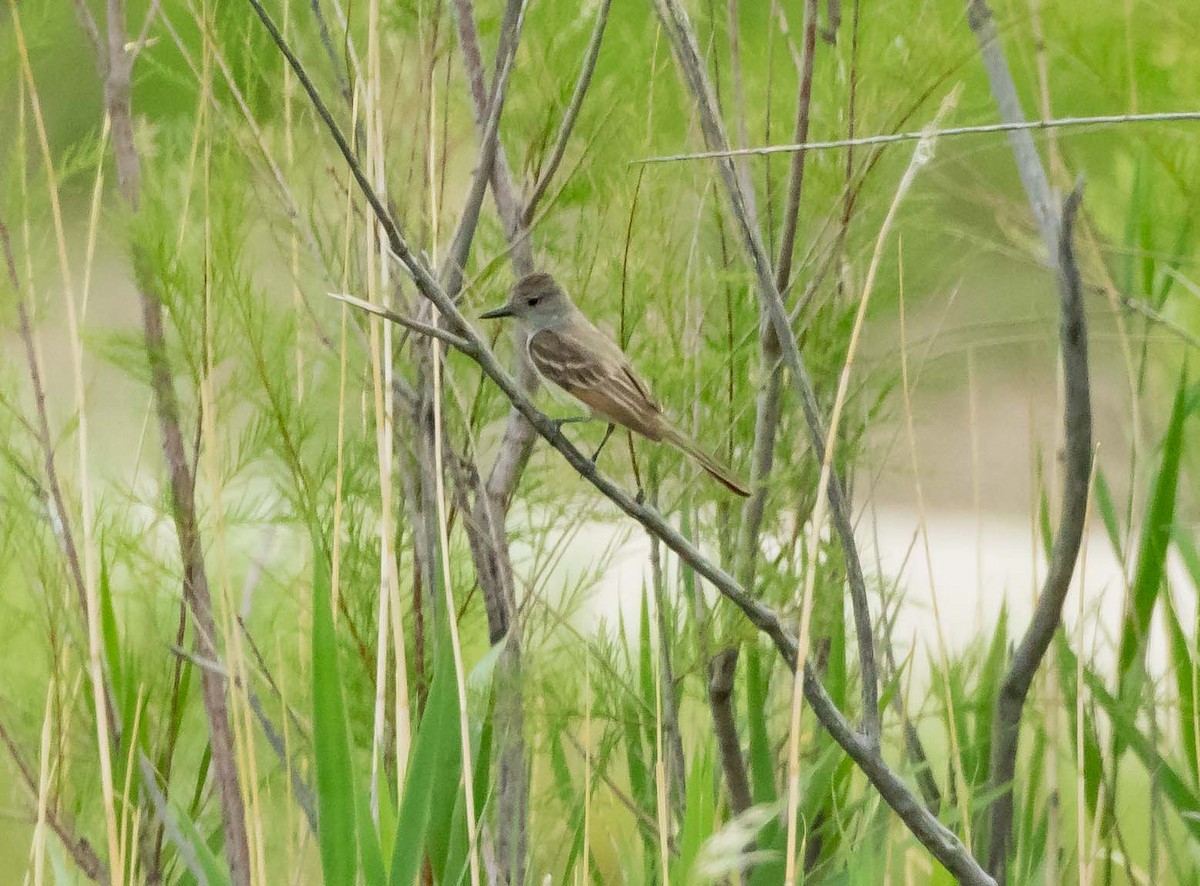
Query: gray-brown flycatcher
[[571, 354]]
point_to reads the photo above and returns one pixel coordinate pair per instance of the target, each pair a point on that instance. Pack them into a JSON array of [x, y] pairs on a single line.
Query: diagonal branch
[[940, 841], [426, 329]]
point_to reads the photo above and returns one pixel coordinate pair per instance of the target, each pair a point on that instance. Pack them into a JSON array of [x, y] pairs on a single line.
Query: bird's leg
[[600, 448], [569, 420]]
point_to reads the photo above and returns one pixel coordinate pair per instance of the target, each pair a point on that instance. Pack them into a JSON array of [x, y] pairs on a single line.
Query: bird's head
[[536, 300]]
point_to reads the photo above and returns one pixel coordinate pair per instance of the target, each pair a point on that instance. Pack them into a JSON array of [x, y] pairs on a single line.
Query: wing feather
[[598, 374]]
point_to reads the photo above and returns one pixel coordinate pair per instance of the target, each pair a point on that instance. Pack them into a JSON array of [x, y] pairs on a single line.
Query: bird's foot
[[640, 498], [600, 448], [569, 420]]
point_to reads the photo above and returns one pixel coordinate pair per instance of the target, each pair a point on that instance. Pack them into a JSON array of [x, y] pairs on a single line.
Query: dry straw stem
[[940, 841], [82, 568], [921, 156]]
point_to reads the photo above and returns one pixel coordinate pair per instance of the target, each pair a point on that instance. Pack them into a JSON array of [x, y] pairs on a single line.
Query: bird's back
[[589, 366]]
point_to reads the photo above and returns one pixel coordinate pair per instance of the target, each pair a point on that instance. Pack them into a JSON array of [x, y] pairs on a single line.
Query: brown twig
[[721, 670]]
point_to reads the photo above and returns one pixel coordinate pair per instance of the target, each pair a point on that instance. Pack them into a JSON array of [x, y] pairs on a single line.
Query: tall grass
[[340, 463]]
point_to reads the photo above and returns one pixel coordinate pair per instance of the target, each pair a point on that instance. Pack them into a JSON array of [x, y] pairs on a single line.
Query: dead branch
[[1047, 614]]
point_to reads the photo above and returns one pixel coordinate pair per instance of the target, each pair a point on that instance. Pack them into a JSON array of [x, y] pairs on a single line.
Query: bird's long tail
[[719, 472]]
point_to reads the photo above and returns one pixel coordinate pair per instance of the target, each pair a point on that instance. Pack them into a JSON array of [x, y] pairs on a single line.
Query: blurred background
[[246, 222]]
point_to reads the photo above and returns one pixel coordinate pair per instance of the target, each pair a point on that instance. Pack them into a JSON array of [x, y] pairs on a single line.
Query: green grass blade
[[336, 804], [1184, 799], [698, 819], [436, 747], [762, 761], [1108, 515], [1089, 754], [1184, 668], [1152, 553]]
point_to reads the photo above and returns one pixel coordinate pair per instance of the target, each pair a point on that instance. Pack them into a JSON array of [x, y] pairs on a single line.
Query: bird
[[572, 355]]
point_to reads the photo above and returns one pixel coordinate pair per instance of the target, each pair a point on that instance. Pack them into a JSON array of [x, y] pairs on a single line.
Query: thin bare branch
[[572, 113], [437, 332], [892, 138], [117, 91], [787, 241], [87, 21], [468, 221], [1047, 615], [721, 670], [45, 440], [1004, 91]]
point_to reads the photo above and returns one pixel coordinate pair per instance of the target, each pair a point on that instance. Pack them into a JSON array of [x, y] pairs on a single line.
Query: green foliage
[[243, 226], [338, 806], [1152, 553]]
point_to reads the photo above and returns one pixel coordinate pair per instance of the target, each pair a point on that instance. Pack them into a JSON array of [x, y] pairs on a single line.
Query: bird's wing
[[594, 370]]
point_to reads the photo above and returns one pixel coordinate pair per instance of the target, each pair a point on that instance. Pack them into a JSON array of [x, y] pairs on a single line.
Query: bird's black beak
[[505, 311]]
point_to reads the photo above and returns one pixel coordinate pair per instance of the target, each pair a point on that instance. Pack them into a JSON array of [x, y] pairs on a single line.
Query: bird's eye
[[533, 301]]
